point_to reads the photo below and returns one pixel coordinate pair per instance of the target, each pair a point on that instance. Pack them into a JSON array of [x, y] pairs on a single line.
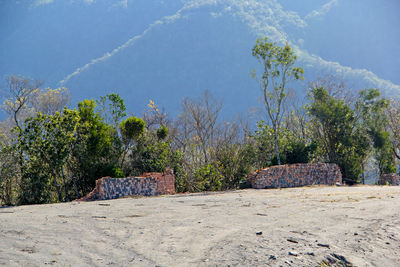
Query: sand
[[287, 227]]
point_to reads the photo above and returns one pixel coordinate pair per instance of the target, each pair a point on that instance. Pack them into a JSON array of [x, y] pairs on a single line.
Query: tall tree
[[93, 152], [393, 116], [340, 137], [19, 93], [45, 142], [112, 108], [278, 63], [370, 109]]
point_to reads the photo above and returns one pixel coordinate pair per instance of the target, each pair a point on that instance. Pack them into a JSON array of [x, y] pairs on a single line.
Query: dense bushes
[[50, 153]]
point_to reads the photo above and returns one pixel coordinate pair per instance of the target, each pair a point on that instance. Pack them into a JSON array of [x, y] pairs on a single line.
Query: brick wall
[[391, 178], [149, 184], [295, 175]]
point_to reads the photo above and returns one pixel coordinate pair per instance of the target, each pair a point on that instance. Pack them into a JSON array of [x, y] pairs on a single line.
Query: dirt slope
[[351, 225]]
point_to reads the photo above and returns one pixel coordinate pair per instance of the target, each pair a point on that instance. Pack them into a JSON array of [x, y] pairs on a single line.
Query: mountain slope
[[166, 50]]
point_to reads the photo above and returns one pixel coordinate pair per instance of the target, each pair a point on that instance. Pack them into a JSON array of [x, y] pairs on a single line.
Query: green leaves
[[337, 132], [371, 109], [132, 128], [162, 132], [46, 145], [112, 107]]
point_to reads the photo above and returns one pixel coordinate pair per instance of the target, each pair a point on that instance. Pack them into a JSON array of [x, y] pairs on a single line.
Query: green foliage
[[46, 145], [292, 149], [112, 107], [371, 108], [264, 145], [150, 155], [132, 128], [299, 152], [95, 153], [208, 178], [35, 185], [162, 132], [235, 162], [337, 133], [57, 156], [9, 173]]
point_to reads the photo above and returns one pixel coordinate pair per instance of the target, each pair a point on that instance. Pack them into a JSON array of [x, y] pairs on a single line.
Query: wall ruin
[[391, 179], [148, 184], [295, 175]]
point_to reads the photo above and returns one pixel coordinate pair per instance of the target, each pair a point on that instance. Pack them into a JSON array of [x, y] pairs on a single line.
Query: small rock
[[293, 253], [272, 257], [323, 245], [290, 239], [355, 233], [341, 259], [387, 243], [259, 233], [310, 253]]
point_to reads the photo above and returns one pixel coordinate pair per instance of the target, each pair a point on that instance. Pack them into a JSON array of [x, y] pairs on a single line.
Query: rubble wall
[[391, 179], [149, 184], [294, 175]]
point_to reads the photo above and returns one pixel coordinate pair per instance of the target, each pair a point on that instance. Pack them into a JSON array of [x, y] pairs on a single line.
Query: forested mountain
[[166, 50]]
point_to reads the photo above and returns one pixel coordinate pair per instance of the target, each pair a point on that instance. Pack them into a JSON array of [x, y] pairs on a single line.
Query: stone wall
[[149, 184], [295, 175], [391, 179]]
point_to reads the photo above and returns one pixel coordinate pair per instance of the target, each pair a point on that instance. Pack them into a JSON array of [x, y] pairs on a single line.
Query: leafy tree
[[131, 129], [9, 173], [112, 108], [93, 154], [235, 161], [393, 117], [338, 133], [299, 152], [45, 142], [152, 155], [162, 132], [371, 109], [264, 145], [208, 178], [278, 63], [293, 147]]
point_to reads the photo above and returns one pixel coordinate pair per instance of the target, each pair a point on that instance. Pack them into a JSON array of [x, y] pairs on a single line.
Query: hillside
[[357, 225]]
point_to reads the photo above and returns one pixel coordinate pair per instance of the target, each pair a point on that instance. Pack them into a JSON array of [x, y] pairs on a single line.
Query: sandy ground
[[361, 224]]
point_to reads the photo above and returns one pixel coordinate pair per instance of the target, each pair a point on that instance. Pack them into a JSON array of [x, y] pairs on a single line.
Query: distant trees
[[215, 153]]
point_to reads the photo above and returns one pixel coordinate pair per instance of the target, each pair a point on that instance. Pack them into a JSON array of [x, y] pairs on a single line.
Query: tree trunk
[[276, 146], [78, 196], [58, 188], [65, 186]]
